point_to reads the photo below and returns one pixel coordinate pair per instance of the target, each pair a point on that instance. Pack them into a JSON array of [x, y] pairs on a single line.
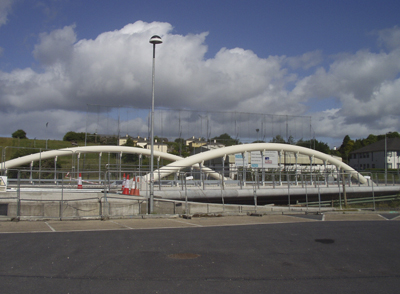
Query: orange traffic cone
[[80, 181], [137, 191], [133, 186], [123, 183], [126, 187]]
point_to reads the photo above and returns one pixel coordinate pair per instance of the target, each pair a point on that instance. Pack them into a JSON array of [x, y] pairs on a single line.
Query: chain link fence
[[67, 195]]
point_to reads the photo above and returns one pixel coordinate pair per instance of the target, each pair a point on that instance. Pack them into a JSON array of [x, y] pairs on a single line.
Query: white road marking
[[51, 228]]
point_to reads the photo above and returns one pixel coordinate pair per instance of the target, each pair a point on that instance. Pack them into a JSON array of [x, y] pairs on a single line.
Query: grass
[[88, 161]]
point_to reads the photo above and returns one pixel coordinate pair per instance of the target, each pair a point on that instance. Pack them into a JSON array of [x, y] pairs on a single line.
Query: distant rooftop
[[393, 144]]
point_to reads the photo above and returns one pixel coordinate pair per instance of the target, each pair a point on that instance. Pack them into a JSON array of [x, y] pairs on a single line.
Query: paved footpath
[[177, 222]]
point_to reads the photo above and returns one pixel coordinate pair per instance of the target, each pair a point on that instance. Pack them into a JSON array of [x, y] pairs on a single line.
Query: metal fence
[[58, 195]]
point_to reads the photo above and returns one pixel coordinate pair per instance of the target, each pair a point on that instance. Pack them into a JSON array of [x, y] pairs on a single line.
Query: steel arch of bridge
[[194, 160]]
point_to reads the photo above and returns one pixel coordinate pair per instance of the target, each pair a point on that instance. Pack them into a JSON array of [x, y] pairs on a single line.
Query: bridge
[[196, 160], [60, 198]]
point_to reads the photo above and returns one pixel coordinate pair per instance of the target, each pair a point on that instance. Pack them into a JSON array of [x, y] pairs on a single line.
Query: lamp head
[[155, 40]]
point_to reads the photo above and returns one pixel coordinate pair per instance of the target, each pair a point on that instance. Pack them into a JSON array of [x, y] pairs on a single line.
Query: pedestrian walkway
[[157, 222]]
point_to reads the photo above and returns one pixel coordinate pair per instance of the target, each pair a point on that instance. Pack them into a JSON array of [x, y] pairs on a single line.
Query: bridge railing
[[55, 194]]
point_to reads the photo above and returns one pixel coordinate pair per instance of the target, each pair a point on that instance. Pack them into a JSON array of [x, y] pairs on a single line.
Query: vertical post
[[262, 168], [223, 172], [296, 155], [140, 164], [62, 195], [40, 165], [201, 174], [244, 169], [306, 191], [100, 154], [153, 40], [338, 181], [288, 183], [344, 189], [280, 167], [385, 160], [77, 174], [55, 170], [222, 192], [319, 198], [255, 194], [373, 194], [18, 194], [159, 173], [186, 197], [31, 171]]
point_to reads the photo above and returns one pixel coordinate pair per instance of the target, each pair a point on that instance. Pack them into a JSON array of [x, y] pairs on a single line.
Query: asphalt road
[[309, 256]]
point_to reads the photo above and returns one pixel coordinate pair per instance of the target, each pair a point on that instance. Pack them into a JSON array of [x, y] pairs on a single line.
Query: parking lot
[[330, 253]]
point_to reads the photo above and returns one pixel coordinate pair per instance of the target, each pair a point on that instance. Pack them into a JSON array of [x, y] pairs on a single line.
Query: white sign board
[[239, 160], [256, 159], [3, 184], [271, 159]]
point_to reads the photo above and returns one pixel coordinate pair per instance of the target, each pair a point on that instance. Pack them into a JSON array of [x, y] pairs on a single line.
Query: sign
[[271, 159], [3, 184], [256, 159], [239, 160]]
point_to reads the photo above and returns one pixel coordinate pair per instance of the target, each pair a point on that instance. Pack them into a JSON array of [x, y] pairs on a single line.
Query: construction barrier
[[80, 181], [126, 187], [123, 183], [133, 186], [137, 191]]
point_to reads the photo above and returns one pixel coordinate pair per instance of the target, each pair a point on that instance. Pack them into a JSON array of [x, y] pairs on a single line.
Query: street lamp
[[153, 40], [46, 133]]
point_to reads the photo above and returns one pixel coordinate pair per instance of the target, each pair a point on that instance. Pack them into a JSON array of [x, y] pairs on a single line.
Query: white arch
[[94, 149], [189, 161], [179, 162]]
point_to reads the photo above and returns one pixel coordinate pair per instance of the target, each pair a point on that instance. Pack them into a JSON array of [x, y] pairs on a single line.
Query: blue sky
[[332, 60]]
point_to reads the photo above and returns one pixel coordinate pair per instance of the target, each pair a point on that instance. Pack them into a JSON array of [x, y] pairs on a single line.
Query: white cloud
[[389, 38], [5, 8], [115, 69], [305, 61], [56, 46]]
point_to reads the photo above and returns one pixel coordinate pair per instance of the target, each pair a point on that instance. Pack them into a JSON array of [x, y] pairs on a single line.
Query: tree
[[278, 139], [73, 136], [346, 147], [19, 134], [128, 157], [226, 140], [316, 145]]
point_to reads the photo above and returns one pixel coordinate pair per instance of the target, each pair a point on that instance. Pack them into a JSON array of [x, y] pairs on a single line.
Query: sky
[[335, 62]]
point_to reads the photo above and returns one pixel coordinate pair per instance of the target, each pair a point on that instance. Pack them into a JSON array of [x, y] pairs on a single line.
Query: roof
[[393, 144]]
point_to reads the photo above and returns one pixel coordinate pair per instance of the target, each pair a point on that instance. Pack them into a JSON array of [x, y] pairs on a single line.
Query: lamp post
[[46, 133], [153, 40]]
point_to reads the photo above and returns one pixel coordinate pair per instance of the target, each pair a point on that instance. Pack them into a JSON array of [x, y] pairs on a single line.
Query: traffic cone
[[80, 181], [137, 191], [133, 188], [126, 187], [123, 183]]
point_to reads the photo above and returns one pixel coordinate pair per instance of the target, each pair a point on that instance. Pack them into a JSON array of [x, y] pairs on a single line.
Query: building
[[159, 144], [195, 142], [376, 154]]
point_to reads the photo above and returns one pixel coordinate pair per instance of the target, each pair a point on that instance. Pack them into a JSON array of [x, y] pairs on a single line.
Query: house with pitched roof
[[376, 154]]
